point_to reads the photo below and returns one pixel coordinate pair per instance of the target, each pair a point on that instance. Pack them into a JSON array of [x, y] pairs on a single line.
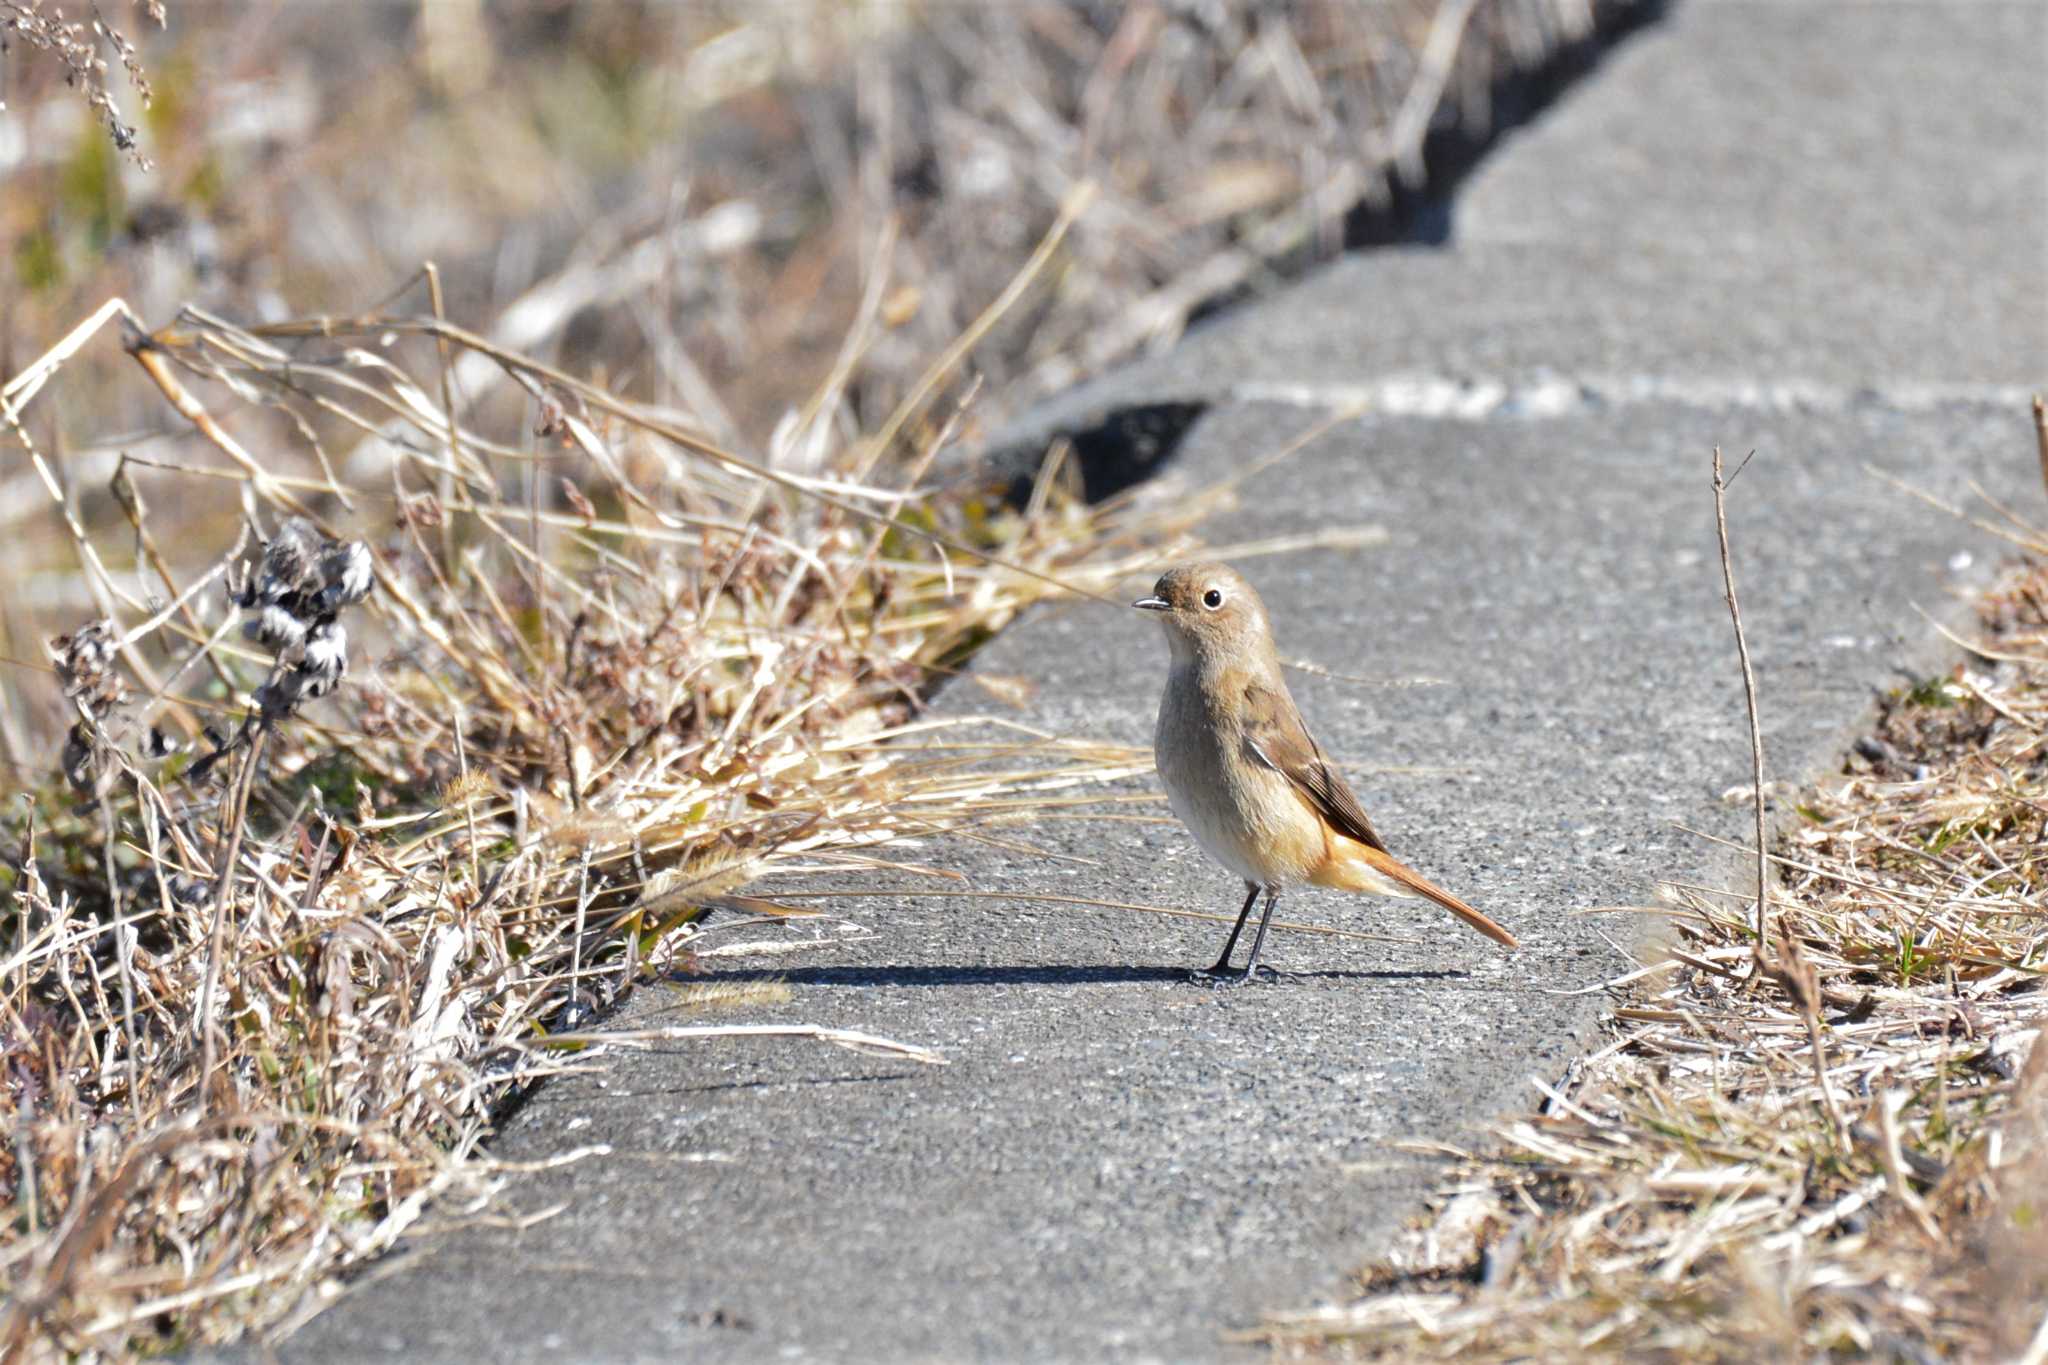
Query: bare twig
[[1756, 734]]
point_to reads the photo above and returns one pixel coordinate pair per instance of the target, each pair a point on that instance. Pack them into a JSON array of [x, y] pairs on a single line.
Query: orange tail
[[1403, 876]]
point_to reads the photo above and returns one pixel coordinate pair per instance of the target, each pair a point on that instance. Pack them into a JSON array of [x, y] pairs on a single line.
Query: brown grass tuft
[[319, 892]]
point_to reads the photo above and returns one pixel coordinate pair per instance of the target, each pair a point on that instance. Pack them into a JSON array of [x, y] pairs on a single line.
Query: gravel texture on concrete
[[1816, 231]]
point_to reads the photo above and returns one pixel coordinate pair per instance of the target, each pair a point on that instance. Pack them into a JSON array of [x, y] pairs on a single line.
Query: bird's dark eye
[[1212, 599]]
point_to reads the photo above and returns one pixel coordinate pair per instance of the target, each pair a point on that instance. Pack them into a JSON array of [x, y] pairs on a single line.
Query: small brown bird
[[1242, 771]]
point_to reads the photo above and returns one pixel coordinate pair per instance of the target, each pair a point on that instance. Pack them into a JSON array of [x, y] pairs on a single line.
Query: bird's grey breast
[[1185, 742], [1193, 749]]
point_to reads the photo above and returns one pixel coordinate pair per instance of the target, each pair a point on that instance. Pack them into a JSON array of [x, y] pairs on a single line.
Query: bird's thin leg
[[1251, 964], [1230, 945]]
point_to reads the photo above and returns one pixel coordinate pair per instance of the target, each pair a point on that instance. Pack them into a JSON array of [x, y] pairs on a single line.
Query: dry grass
[[277, 947], [74, 46], [1842, 1159], [694, 198]]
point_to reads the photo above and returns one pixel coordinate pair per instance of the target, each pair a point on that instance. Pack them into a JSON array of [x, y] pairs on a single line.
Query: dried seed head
[[276, 628], [347, 572], [325, 658], [84, 663], [289, 561]]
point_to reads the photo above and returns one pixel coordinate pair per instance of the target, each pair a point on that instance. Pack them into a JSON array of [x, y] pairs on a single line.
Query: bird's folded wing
[[1275, 736]]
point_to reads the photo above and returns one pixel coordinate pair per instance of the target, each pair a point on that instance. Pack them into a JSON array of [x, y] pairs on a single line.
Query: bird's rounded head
[[1209, 611]]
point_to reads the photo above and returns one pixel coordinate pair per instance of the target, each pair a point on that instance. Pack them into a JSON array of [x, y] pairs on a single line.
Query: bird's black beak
[[1152, 604]]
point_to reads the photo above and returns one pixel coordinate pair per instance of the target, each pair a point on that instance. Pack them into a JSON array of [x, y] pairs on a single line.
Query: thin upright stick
[[236, 812], [1756, 735]]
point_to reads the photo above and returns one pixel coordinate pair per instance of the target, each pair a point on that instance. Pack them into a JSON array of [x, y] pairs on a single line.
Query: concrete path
[[1816, 230]]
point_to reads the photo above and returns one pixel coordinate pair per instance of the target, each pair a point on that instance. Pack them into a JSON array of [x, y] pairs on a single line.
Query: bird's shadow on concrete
[[1049, 975]]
